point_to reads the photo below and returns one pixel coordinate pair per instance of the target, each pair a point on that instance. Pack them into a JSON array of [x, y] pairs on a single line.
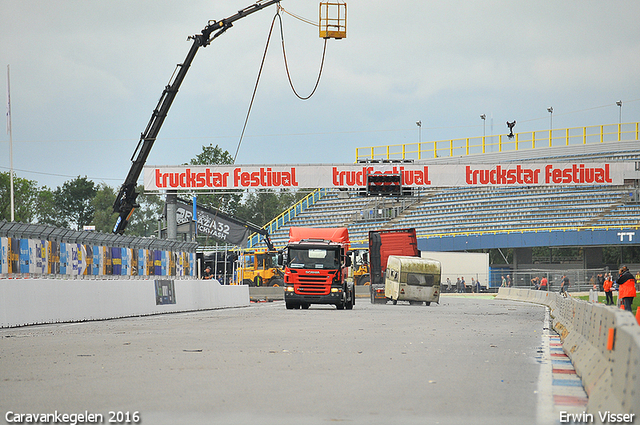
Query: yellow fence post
[[533, 140], [619, 132], [584, 135], [601, 133]]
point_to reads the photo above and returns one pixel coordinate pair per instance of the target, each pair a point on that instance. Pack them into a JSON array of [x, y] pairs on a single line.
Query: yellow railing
[[502, 143]]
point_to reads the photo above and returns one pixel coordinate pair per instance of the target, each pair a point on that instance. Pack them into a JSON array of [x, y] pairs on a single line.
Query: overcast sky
[[86, 75]]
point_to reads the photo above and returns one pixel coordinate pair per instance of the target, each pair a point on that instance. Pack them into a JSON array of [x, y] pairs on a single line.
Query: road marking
[[559, 387]]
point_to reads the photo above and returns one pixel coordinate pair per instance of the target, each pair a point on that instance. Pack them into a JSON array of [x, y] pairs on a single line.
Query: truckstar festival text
[[355, 176]]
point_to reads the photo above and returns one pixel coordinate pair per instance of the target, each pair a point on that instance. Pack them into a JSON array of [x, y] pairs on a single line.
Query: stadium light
[[483, 117], [550, 110], [419, 124], [619, 103]]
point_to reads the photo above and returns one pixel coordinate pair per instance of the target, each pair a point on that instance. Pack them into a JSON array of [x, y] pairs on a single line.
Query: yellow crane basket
[[333, 20]]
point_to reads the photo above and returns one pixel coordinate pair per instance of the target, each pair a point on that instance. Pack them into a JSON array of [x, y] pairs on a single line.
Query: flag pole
[[10, 141]]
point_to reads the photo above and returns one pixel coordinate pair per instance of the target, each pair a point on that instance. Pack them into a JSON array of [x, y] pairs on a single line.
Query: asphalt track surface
[[468, 360]]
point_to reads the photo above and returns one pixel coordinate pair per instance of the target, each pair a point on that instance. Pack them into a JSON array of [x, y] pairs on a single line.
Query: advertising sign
[[165, 292], [226, 177], [212, 224]]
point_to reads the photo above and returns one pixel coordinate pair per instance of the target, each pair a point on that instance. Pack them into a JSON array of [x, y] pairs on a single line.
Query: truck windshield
[[312, 258]]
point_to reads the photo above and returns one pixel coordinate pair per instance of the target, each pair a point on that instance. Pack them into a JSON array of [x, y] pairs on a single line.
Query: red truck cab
[[316, 267], [382, 244]]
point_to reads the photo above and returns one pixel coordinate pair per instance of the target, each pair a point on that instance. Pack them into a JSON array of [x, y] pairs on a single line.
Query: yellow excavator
[[260, 268]]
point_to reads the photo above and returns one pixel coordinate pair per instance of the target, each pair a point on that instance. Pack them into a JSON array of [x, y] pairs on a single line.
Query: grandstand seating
[[456, 210], [450, 211]]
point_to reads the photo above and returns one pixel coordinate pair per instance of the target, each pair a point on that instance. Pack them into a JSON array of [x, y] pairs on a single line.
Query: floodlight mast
[[125, 202]]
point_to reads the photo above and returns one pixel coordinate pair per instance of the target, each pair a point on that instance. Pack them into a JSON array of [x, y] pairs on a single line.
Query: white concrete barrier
[[610, 375], [36, 301]]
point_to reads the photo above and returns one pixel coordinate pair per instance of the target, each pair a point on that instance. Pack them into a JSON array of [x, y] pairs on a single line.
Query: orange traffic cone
[[638, 315]]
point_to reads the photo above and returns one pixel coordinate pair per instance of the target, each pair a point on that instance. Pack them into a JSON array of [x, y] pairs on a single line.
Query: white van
[[412, 279]]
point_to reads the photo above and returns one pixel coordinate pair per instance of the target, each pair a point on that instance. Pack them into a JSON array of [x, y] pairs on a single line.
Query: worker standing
[[608, 289], [627, 287]]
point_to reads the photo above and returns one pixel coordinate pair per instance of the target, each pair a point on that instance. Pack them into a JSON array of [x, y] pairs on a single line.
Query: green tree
[[226, 202], [262, 207], [25, 194], [48, 209], [144, 221], [74, 201], [104, 218]]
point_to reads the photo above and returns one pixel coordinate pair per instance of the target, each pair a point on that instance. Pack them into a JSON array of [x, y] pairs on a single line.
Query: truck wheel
[[364, 281], [305, 306], [290, 306], [340, 306], [276, 282], [247, 282], [373, 298]]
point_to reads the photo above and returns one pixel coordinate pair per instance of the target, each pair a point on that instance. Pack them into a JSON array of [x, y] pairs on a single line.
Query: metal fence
[[580, 280], [36, 250]]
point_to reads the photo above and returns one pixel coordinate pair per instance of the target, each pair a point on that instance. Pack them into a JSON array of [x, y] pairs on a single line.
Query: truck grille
[[311, 285]]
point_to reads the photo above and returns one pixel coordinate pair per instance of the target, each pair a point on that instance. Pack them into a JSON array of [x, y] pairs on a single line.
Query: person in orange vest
[[608, 290], [627, 287], [543, 284]]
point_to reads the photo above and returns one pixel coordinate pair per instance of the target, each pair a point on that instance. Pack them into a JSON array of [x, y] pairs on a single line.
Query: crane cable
[[264, 56], [253, 96], [286, 65], [306, 21]]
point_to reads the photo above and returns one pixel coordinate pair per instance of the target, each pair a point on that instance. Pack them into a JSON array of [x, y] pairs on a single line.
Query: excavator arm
[[125, 202]]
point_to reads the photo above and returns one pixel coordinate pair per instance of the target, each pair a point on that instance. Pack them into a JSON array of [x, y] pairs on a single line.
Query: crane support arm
[[125, 202]]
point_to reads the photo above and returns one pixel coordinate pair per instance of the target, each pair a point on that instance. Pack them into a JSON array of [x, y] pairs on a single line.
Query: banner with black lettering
[[211, 223]]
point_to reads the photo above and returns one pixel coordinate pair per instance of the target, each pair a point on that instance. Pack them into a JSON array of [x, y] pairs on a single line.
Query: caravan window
[[419, 279], [392, 274]]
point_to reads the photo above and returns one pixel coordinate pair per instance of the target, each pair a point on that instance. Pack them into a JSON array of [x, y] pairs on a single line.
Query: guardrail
[[603, 343], [503, 143]]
